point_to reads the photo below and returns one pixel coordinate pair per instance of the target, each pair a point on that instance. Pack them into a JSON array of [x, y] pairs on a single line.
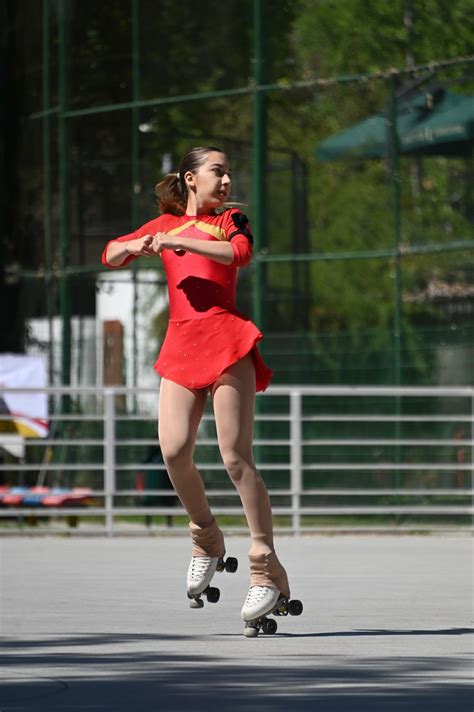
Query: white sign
[[28, 411]]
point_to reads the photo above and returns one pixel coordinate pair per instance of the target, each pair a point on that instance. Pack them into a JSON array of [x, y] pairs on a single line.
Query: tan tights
[[180, 412]]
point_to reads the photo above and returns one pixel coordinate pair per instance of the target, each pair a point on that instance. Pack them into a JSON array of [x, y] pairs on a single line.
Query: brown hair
[[172, 192]]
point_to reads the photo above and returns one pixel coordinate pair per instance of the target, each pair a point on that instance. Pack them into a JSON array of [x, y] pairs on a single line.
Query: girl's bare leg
[[180, 411], [234, 403]]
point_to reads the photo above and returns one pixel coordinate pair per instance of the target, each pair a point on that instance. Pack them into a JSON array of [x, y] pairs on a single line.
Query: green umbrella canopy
[[439, 122]]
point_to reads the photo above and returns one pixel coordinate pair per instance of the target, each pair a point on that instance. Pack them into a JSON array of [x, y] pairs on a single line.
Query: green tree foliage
[[335, 37], [351, 203]]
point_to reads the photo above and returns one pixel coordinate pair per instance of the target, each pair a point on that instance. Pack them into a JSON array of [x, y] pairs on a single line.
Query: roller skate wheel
[[269, 626], [213, 594], [231, 565], [295, 607], [196, 603], [250, 631], [281, 609]]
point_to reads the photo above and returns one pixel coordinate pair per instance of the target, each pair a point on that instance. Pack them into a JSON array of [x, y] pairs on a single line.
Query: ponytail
[[172, 191], [172, 194]]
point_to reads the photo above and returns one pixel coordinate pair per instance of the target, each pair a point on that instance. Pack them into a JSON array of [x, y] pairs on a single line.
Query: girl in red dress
[[209, 348]]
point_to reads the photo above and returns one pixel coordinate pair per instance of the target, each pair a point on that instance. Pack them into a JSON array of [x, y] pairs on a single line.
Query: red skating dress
[[206, 334]]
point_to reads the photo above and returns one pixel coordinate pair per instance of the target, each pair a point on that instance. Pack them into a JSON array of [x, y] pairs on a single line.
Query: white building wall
[[115, 300], [116, 294]]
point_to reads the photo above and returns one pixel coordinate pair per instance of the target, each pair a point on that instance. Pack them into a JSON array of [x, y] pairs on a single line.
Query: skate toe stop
[[250, 632], [196, 603]]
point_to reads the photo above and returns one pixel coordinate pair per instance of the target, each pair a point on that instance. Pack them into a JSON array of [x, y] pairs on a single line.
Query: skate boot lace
[[199, 567], [256, 595]]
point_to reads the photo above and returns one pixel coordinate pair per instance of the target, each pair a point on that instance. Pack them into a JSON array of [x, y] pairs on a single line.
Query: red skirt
[[196, 351]]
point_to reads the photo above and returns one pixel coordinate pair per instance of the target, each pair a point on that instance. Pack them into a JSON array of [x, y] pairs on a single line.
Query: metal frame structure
[[298, 463], [259, 90]]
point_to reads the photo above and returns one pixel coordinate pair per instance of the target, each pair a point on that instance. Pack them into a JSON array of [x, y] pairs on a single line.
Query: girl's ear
[[189, 179]]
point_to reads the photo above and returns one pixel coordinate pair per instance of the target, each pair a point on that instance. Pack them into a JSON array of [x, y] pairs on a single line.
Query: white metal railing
[[299, 415]]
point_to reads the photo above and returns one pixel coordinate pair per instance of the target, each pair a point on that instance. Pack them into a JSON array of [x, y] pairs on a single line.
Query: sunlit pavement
[[99, 624]]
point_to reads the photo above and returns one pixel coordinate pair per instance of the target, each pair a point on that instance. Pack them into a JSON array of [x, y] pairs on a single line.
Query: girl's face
[[212, 181]]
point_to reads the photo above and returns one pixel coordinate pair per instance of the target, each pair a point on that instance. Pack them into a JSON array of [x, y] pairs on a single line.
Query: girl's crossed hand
[[162, 241], [150, 245], [141, 246]]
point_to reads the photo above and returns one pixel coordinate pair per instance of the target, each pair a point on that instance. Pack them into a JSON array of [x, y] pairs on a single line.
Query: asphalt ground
[[104, 625]]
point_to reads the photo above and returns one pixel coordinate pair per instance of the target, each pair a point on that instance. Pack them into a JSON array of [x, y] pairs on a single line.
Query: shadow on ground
[[104, 673]]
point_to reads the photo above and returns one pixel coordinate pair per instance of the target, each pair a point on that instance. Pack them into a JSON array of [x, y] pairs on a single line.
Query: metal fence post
[[109, 458], [296, 458], [471, 483]]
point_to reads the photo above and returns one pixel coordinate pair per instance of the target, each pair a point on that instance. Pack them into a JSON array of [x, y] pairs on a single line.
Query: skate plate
[[230, 565], [266, 625], [211, 592]]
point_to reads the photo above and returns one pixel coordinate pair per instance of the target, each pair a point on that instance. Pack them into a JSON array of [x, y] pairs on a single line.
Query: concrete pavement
[[104, 625]]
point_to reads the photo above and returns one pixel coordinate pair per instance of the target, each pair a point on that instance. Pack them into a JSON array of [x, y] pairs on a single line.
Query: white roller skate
[[268, 593], [207, 558]]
